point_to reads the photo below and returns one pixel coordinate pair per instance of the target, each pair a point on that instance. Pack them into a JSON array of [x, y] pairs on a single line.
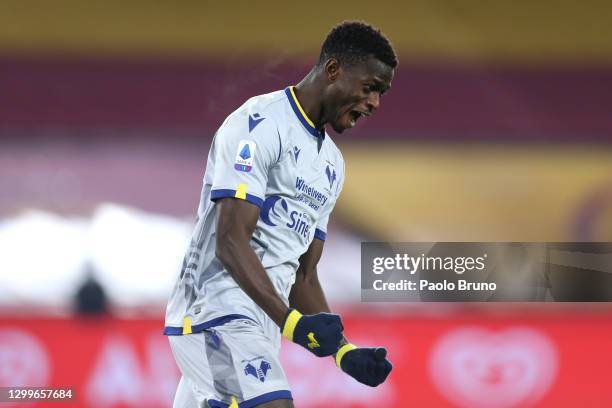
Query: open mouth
[[355, 116]]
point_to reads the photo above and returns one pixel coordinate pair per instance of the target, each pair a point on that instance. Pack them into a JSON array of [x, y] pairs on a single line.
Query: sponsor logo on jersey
[[303, 187], [258, 368], [244, 156], [269, 211], [272, 214], [254, 120], [299, 222]]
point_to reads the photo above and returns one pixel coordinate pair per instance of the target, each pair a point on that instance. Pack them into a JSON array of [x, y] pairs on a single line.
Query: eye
[[367, 89]]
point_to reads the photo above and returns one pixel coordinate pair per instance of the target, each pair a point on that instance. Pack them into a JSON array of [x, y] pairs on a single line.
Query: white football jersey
[[268, 153]]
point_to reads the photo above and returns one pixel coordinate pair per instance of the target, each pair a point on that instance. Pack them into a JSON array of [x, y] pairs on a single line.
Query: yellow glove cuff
[[342, 351], [290, 323]]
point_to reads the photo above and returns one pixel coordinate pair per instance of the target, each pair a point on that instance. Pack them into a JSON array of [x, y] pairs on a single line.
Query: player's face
[[356, 92]]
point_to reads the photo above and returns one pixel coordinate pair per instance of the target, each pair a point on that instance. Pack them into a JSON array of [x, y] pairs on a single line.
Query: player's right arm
[[319, 333], [236, 221]]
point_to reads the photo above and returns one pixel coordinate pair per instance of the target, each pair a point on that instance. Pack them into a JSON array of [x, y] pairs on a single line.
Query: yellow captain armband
[[241, 191], [187, 325], [290, 323], [342, 351]]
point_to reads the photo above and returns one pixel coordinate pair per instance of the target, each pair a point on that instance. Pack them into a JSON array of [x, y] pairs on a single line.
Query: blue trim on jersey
[[313, 131], [253, 402], [223, 193], [218, 321], [320, 234]]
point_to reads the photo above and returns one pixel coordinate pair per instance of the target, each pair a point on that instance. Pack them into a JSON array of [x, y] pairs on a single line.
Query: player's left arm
[[367, 365], [306, 294]]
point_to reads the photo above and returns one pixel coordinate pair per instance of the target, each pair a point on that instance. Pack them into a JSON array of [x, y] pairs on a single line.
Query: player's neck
[[308, 92]]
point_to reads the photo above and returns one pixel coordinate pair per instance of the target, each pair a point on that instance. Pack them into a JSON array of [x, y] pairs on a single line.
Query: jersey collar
[[301, 115]]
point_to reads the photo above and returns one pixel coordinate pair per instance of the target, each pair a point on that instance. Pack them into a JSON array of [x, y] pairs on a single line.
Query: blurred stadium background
[[498, 128]]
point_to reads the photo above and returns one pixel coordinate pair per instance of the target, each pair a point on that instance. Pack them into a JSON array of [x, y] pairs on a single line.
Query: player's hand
[[320, 333], [369, 366]]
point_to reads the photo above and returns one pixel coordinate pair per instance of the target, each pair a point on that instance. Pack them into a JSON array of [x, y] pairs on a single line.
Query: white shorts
[[235, 361]]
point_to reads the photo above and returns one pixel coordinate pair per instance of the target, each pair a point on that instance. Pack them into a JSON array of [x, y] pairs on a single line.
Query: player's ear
[[332, 69]]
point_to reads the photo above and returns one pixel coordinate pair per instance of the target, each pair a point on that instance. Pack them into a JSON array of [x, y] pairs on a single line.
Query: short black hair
[[354, 41]]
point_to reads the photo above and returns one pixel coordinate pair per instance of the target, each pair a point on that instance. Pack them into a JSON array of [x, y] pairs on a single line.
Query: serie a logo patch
[[244, 156]]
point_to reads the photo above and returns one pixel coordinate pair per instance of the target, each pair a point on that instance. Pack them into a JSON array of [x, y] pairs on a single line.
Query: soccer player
[[250, 274]]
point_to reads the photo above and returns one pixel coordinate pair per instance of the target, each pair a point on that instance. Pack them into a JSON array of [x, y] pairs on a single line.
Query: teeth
[[355, 116]]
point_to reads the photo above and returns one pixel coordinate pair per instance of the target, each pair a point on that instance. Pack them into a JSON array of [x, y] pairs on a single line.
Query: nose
[[373, 101]]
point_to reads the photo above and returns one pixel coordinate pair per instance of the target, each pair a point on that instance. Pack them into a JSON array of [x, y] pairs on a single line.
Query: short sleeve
[[244, 149], [321, 230]]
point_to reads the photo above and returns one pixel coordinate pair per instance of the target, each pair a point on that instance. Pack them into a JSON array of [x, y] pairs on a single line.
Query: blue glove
[[320, 334], [369, 366]]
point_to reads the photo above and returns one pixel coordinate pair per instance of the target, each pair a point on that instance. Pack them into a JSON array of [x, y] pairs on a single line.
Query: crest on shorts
[[258, 368]]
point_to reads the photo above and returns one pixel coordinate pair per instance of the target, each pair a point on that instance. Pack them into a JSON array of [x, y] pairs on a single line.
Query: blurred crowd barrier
[[76, 97], [512, 359]]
